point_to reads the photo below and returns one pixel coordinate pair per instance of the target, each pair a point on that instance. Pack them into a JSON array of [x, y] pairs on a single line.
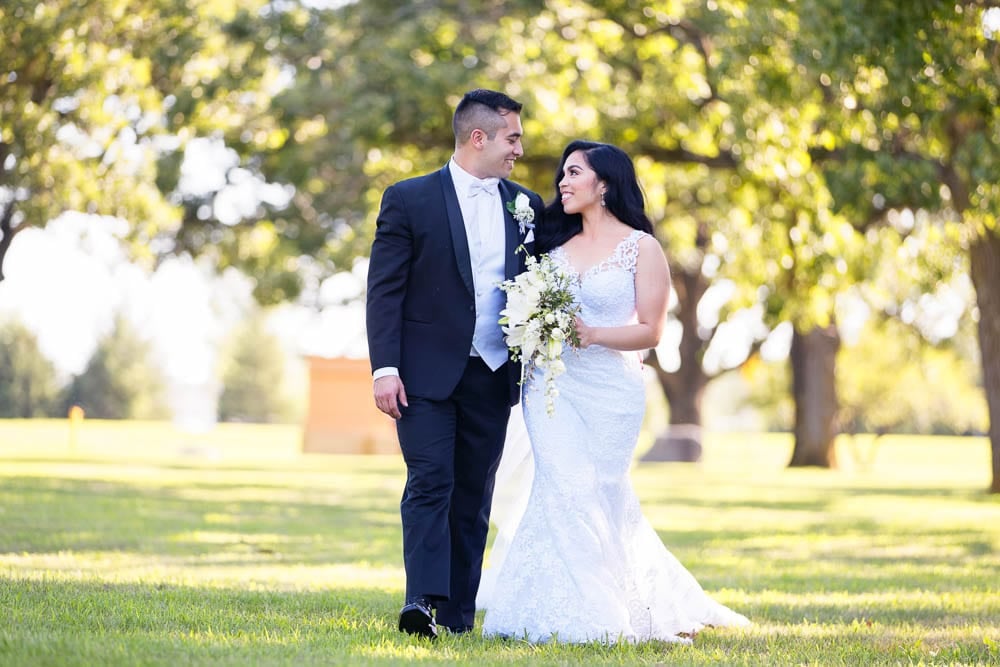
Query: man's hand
[[389, 395]]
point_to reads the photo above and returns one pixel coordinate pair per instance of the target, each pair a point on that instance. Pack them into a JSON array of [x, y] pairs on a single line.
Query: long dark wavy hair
[[623, 197]]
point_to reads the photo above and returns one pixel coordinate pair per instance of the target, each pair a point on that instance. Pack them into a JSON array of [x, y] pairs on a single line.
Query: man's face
[[496, 159]]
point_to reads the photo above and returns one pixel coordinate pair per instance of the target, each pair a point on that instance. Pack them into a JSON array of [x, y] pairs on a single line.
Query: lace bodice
[[606, 291]]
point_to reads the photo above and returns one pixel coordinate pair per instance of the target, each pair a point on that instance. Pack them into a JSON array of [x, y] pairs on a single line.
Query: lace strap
[[625, 256], [627, 253]]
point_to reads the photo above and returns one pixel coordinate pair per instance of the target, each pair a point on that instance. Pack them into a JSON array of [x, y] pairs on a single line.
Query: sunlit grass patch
[[141, 545]]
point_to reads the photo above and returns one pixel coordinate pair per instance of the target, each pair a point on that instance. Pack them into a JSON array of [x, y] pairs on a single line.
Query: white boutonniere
[[521, 209]]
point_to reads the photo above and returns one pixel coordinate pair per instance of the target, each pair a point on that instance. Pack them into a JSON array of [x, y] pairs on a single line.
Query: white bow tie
[[485, 185]]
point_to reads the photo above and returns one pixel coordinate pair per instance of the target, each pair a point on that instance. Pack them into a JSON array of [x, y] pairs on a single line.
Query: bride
[[583, 563]]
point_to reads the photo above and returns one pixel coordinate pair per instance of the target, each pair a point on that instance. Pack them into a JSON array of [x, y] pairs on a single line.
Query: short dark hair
[[484, 110]]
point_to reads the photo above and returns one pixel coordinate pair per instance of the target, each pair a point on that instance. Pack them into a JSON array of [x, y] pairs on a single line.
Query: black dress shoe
[[416, 619], [457, 629]]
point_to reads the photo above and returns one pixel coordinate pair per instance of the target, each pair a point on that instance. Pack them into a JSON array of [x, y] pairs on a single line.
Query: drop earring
[[603, 203]]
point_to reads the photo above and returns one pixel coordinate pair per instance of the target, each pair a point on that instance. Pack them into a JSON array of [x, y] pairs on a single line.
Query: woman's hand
[[586, 334]]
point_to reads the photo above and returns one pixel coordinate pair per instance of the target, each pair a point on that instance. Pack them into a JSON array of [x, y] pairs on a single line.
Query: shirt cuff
[[384, 371]]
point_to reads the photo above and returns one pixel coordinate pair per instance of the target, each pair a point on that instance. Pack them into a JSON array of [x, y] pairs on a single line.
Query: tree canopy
[[789, 150]]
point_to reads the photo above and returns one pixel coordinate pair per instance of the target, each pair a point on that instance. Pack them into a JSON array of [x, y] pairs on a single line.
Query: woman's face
[[579, 188]]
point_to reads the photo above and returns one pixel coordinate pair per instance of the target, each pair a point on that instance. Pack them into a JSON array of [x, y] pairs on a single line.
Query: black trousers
[[452, 449]]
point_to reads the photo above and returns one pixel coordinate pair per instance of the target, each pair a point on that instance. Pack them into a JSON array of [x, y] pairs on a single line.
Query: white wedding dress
[[584, 564]]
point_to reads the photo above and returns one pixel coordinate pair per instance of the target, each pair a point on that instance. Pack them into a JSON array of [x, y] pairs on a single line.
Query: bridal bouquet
[[540, 320]]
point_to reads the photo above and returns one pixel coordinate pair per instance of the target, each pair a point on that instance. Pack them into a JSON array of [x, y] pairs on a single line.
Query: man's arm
[[388, 267]]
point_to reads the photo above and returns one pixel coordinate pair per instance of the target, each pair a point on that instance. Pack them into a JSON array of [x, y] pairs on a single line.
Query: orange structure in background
[[342, 417]]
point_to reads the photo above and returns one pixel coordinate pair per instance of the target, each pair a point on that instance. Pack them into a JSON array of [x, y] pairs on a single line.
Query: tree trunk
[[6, 232], [685, 387], [682, 439], [814, 389], [985, 266]]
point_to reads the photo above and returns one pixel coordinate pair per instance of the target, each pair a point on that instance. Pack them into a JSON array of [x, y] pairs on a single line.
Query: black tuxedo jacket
[[421, 309]]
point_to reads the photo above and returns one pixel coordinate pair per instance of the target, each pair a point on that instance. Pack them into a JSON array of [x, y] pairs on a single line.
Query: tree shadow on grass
[[313, 523], [197, 519], [965, 494], [815, 500], [843, 553]]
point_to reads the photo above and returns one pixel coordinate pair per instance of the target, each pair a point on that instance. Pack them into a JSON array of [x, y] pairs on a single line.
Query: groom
[[440, 366]]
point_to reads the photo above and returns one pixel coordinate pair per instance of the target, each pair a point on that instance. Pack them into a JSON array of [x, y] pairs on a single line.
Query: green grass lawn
[[135, 544]]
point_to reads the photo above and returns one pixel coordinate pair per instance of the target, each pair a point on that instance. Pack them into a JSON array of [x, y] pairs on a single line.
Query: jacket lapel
[[459, 239], [511, 232]]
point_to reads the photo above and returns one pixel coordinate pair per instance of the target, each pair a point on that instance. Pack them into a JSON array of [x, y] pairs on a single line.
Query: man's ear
[[478, 138]]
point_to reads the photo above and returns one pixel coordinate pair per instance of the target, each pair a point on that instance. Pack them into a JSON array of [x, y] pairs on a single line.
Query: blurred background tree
[[28, 383], [799, 159], [253, 376], [121, 380], [920, 91], [891, 380], [101, 100]]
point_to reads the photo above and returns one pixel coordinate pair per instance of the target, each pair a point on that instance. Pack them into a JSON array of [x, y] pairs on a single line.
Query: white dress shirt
[[482, 212]]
